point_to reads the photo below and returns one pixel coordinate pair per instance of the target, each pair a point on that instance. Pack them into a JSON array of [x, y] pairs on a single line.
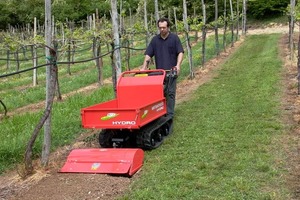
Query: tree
[[216, 28], [50, 92], [291, 27], [5, 17], [297, 19], [188, 45], [244, 17], [203, 31], [50, 88], [18, 13], [117, 69], [232, 22], [263, 8]]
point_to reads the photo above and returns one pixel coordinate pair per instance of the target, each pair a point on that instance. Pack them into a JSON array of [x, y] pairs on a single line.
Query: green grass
[[66, 126], [225, 141], [15, 131]]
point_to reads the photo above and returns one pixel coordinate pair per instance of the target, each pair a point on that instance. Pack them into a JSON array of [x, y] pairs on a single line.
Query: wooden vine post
[[225, 26], [116, 43], [44, 121], [51, 80], [156, 12], [146, 23], [244, 17], [217, 44], [237, 19], [49, 90], [188, 45], [291, 28], [232, 23], [298, 64], [175, 19], [34, 54], [203, 32]]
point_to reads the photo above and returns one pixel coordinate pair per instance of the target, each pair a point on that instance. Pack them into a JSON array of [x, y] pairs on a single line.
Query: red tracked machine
[[136, 118]]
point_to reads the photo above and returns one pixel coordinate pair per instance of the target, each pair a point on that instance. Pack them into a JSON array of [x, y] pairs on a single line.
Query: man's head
[[163, 25]]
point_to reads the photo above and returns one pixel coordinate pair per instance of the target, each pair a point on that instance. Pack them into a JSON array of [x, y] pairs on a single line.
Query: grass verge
[[225, 141]]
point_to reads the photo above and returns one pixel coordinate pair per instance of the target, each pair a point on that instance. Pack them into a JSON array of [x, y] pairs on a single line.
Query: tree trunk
[[69, 57], [94, 48], [99, 63], [7, 60], [156, 10], [291, 29], [17, 60], [50, 89], [73, 50], [203, 32], [59, 96], [146, 23], [34, 55], [46, 116], [175, 19], [127, 54], [298, 64], [232, 23], [114, 76], [216, 29], [116, 36], [5, 109], [237, 19], [225, 26], [244, 17], [188, 45]]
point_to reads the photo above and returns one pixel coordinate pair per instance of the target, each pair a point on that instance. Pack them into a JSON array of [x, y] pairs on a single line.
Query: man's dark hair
[[163, 19]]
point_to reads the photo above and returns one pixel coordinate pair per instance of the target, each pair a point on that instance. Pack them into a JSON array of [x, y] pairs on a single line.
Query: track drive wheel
[[156, 139], [105, 138], [168, 128]]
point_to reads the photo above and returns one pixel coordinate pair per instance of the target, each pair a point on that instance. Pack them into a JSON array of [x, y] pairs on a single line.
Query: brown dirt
[[49, 184]]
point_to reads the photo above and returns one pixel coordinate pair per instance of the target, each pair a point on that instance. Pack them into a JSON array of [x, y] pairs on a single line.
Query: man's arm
[[179, 61], [146, 62]]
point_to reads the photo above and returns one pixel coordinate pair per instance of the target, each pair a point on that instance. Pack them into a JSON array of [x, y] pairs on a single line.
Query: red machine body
[[140, 100], [111, 161], [136, 116]]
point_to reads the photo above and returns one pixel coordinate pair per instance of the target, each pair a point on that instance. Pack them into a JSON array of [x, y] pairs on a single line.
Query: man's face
[[163, 28]]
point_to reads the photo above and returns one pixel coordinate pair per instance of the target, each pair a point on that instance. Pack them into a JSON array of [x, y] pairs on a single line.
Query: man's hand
[[179, 61], [177, 69], [146, 63]]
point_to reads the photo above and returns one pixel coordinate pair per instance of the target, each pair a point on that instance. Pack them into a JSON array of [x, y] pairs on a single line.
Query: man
[[168, 53]]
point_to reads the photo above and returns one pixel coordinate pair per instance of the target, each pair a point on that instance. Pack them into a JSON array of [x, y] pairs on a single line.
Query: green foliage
[[195, 23], [267, 8], [180, 26], [79, 9], [296, 13], [10, 42], [17, 12], [138, 27]]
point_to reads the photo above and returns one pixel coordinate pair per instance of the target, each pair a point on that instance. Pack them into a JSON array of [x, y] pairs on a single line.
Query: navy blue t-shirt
[[165, 51]]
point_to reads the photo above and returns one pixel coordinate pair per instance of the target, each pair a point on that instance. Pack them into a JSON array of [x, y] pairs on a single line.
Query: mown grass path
[[226, 138]]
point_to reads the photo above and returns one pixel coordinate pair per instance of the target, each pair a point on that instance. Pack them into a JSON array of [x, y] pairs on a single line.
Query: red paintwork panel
[[108, 161], [139, 101]]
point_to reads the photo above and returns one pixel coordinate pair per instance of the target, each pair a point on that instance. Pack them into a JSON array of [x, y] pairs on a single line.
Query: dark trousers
[[170, 93]]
